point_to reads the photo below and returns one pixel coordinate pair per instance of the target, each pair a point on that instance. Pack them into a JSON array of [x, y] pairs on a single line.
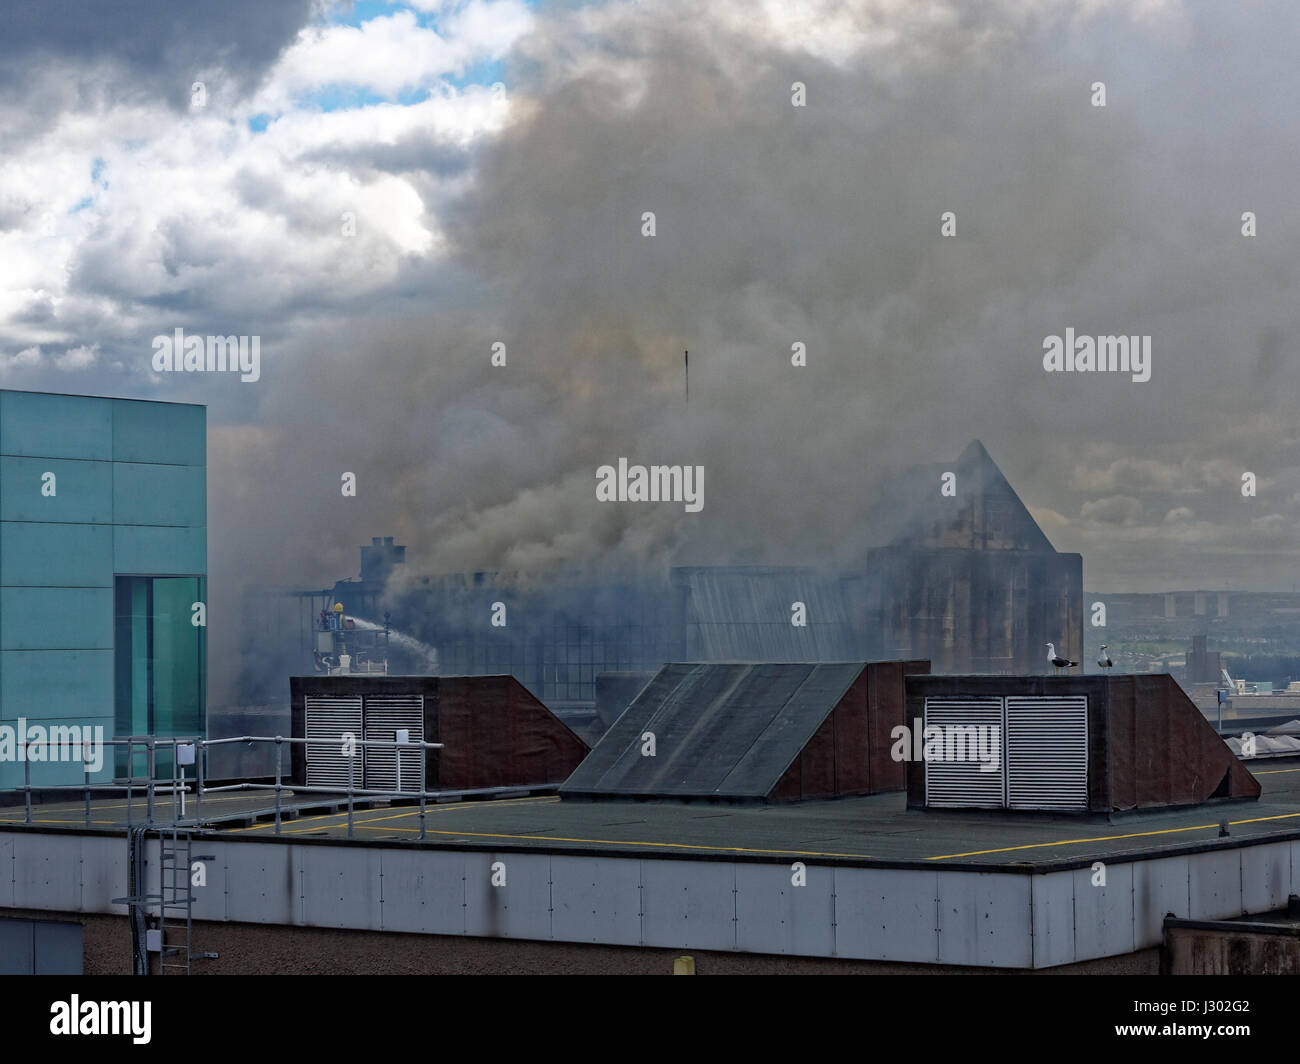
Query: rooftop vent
[[1089, 744], [494, 733]]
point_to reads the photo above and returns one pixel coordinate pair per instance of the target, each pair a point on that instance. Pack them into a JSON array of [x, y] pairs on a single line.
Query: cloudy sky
[[382, 191]]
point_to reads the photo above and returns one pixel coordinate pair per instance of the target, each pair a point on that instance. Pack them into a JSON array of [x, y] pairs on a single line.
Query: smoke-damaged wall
[[975, 611], [970, 581]]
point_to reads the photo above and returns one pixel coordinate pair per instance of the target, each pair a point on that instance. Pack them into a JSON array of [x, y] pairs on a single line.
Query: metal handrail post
[[179, 784], [85, 777], [278, 748], [352, 760], [151, 761]]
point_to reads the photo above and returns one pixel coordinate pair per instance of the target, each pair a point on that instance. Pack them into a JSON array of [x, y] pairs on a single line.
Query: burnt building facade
[[971, 582]]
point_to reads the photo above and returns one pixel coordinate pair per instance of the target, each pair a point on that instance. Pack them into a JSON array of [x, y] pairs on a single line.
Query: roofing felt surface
[[719, 730], [856, 831], [867, 830]]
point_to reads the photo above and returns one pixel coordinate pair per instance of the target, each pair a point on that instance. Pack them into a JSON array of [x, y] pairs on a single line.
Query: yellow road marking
[[1109, 838]]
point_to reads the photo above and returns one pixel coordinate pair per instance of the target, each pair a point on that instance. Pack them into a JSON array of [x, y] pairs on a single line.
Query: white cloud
[[489, 27], [388, 55], [29, 356], [393, 54], [230, 222], [77, 357], [1117, 509]]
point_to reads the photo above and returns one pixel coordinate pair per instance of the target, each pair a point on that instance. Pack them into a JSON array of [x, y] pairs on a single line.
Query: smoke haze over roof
[[516, 217]]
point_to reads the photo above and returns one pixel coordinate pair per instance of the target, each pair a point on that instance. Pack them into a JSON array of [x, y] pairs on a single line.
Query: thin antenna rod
[[686, 358]]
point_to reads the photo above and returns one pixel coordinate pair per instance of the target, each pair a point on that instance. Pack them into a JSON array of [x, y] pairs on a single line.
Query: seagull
[[1104, 661], [1056, 660]]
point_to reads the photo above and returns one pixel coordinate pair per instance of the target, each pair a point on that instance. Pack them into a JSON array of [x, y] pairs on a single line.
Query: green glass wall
[[160, 662], [103, 551]]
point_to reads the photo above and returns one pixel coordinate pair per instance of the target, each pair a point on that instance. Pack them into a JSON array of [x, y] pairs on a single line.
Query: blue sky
[[344, 96]]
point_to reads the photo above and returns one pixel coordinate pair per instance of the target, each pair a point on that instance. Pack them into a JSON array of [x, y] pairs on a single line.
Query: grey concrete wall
[[930, 915]]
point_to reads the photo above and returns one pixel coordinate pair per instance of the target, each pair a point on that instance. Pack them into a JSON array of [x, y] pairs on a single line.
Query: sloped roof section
[[985, 513], [720, 731]]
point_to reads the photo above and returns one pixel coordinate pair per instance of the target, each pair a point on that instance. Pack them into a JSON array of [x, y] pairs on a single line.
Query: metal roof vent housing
[[1070, 744], [494, 733], [1015, 752]]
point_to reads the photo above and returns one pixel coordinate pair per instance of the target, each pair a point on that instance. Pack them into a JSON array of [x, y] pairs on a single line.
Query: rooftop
[[871, 831]]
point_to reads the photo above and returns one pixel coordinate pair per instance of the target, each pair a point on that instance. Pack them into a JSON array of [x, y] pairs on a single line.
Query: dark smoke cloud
[[819, 225], [778, 224]]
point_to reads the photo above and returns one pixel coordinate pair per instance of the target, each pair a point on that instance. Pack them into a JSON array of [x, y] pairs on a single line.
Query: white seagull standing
[[1104, 661], [1055, 660]]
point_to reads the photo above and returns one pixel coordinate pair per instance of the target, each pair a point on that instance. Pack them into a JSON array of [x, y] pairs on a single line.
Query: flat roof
[[873, 831], [111, 398]]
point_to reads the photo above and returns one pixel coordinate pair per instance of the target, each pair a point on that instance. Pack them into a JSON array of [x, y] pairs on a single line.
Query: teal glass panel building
[[103, 554]]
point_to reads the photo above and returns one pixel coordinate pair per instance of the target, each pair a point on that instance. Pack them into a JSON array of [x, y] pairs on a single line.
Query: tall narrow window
[[160, 667]]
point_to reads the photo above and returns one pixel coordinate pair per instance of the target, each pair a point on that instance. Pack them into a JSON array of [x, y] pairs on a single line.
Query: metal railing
[[179, 786]]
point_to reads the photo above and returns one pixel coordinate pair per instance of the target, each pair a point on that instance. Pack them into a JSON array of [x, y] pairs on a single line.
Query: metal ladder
[[172, 906], [175, 901]]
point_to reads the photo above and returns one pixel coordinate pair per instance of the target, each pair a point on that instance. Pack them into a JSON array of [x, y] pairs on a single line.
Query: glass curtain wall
[[160, 667]]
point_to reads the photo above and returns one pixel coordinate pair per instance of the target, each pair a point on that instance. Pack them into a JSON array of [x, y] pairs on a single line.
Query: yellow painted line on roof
[[1109, 838], [1261, 819], [6, 820], [601, 842], [446, 808], [1275, 771], [271, 823], [634, 842], [139, 801], [342, 818], [372, 820]]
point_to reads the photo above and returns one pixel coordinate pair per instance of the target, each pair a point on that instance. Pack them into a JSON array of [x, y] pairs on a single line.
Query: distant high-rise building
[[1203, 666]]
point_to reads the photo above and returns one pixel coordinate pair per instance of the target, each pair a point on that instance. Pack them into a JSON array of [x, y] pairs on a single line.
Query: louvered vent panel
[[1047, 752], [962, 783], [330, 718], [385, 714]]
